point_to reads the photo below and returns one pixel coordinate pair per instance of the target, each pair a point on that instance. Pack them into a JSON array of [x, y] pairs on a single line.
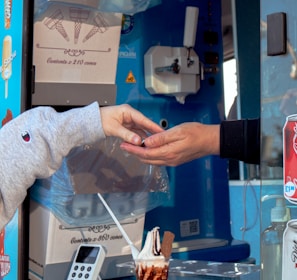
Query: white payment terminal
[[87, 262]]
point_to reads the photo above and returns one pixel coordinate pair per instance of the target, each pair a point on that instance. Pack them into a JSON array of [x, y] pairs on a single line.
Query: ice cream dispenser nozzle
[[175, 71]]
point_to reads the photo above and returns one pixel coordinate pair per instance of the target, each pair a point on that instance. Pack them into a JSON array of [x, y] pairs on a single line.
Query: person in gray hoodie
[[34, 144]]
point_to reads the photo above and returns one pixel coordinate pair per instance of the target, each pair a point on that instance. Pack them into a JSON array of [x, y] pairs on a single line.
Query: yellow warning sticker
[[130, 78]]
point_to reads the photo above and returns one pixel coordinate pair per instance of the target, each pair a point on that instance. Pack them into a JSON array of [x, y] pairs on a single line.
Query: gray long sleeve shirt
[[33, 146]]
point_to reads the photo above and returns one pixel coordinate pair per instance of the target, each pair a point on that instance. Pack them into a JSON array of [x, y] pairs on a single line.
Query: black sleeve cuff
[[240, 140]]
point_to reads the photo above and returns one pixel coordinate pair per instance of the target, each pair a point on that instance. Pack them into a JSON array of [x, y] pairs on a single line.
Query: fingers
[[127, 123], [155, 162], [154, 156], [142, 153], [136, 119], [161, 139], [148, 155], [129, 135], [140, 121]]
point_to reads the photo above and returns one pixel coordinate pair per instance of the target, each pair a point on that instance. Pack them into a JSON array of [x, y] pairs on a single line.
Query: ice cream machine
[[169, 66], [174, 79]]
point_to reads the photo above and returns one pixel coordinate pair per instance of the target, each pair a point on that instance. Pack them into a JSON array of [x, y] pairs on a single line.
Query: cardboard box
[[75, 54], [52, 245], [77, 45]]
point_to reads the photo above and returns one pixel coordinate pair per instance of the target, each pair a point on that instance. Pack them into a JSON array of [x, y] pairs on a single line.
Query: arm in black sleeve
[[240, 140]]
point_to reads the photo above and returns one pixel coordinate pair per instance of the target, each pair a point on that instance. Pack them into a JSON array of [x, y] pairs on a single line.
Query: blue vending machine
[[15, 83], [152, 43]]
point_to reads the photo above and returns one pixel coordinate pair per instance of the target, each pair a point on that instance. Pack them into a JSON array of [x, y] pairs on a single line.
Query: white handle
[[115, 220], [191, 23]]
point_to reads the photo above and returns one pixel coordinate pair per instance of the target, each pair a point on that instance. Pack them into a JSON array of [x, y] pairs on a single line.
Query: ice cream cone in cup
[[153, 260]]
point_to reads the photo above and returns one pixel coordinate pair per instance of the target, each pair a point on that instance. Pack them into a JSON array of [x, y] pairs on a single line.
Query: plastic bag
[[130, 187], [129, 7]]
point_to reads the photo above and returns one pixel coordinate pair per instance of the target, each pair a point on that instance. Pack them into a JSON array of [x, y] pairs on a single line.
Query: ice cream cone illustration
[[54, 22], [100, 25], [79, 16], [7, 13], [6, 61]]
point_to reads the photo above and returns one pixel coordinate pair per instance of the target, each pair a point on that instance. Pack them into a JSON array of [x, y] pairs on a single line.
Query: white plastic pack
[[129, 7], [130, 187]]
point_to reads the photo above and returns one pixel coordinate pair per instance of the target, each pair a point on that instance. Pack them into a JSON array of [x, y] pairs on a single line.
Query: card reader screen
[[87, 254]]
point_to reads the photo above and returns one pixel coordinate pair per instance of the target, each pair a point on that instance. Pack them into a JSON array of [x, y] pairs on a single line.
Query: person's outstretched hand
[[177, 145], [125, 122]]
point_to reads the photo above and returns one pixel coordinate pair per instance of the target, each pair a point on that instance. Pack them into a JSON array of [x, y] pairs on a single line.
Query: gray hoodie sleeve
[[33, 145]]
